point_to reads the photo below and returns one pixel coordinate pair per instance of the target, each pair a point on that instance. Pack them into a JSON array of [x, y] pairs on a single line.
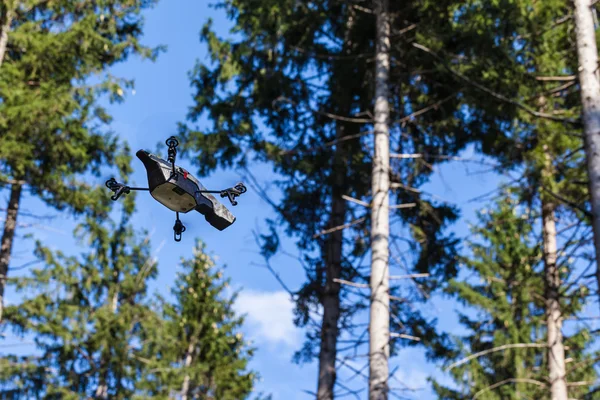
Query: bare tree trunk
[[7, 19], [587, 52], [556, 350], [185, 387], [8, 237], [334, 245], [331, 294], [379, 324]]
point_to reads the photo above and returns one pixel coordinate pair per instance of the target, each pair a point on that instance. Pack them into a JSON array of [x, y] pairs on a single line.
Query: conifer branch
[[504, 382], [272, 270], [494, 94], [284, 99], [494, 349], [423, 110]]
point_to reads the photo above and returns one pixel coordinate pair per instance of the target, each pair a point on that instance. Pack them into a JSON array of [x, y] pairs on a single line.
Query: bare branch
[[340, 227], [406, 205], [494, 349], [410, 276], [556, 78], [423, 110], [357, 285], [510, 380], [403, 336], [283, 99], [353, 200]]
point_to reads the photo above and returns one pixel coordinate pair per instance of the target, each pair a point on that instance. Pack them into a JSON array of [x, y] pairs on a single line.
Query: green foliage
[[504, 292], [294, 88], [86, 314], [52, 129], [198, 340]]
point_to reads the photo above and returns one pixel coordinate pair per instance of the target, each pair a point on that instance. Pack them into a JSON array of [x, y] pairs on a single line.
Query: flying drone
[[176, 189]]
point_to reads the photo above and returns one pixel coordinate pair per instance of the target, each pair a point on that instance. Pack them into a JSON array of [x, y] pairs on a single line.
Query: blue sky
[[148, 116]]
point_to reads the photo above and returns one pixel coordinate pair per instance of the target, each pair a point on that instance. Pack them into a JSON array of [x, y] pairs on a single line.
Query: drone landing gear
[[178, 228]]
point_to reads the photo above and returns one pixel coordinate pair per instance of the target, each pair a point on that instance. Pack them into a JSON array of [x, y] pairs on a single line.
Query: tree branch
[[510, 380], [340, 227], [496, 95], [494, 349]]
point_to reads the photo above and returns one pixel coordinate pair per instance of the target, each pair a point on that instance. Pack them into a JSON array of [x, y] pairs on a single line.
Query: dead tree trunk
[[379, 324], [587, 53], [8, 237]]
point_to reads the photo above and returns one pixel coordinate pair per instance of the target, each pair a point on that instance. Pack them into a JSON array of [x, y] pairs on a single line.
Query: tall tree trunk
[[556, 350], [587, 53], [185, 386], [334, 245], [6, 22], [379, 324], [8, 237], [331, 293]]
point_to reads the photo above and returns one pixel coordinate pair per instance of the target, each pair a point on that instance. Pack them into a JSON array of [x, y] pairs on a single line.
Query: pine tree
[[52, 129], [86, 314], [532, 130], [306, 74], [504, 290], [197, 350]]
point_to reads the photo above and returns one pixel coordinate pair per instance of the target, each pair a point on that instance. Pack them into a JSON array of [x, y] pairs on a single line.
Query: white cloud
[[269, 315]]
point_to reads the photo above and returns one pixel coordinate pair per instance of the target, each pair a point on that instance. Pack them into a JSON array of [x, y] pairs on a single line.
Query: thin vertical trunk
[[556, 350], [185, 387], [334, 246], [102, 389], [379, 324], [6, 22], [8, 237], [331, 293], [587, 53]]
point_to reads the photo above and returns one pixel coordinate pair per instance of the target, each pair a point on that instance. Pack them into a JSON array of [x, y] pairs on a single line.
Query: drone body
[[179, 191]]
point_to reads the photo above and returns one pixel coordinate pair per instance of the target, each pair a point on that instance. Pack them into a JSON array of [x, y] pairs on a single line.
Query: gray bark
[[556, 350], [587, 53], [8, 236], [379, 324]]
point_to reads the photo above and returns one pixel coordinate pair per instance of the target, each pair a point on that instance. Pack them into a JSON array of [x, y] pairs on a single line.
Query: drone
[[176, 189]]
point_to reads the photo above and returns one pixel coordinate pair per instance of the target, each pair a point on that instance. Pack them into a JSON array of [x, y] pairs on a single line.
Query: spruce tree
[[52, 129], [532, 131], [86, 315], [295, 89], [196, 349], [503, 289]]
